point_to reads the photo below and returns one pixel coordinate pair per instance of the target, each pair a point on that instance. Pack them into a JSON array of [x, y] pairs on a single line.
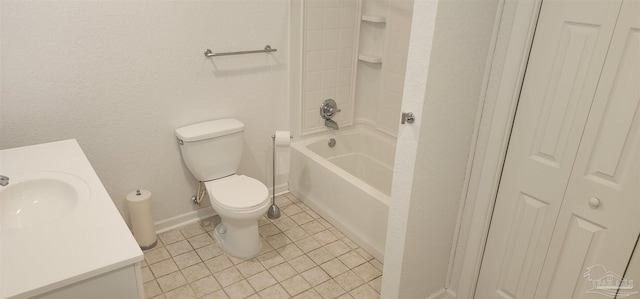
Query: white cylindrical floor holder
[[144, 229]]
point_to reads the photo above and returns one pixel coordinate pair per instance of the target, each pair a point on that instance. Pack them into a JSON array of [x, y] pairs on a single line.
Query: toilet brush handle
[[274, 169]]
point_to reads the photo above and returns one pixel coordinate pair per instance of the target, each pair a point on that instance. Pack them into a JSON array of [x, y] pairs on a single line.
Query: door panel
[[603, 193], [566, 60]]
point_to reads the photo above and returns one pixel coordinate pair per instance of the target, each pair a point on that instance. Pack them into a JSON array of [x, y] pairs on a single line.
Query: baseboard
[[184, 219], [200, 214], [443, 294]]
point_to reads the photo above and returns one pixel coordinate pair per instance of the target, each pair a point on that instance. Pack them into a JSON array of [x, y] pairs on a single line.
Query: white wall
[[121, 76], [424, 209], [379, 87]]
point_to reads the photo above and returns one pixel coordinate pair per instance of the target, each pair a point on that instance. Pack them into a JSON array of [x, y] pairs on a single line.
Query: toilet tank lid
[[209, 129]]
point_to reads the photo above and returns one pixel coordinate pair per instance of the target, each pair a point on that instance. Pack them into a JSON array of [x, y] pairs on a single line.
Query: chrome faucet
[[4, 180], [331, 124], [328, 109]]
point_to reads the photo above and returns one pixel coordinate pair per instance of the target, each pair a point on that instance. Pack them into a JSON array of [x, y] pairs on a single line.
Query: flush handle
[[407, 117]]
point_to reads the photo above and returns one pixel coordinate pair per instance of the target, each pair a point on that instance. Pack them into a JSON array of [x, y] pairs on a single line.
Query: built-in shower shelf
[[370, 58], [374, 19]]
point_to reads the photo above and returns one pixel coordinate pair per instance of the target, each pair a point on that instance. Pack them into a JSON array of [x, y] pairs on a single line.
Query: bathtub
[[349, 185]]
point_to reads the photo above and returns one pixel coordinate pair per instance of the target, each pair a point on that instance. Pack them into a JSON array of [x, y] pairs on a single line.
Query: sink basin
[[40, 198]]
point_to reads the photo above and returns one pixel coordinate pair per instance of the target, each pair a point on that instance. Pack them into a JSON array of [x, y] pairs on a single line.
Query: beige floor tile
[[376, 264], [324, 223], [313, 227], [302, 256], [147, 275], [218, 263], [195, 272], [192, 229], [163, 268], [376, 284], [295, 285], [228, 277], [364, 292], [367, 272], [352, 259], [274, 292], [289, 252], [308, 294], [161, 296], [155, 255], [301, 218], [337, 233], [171, 236], [200, 240], [338, 248], [278, 240], [209, 251], [282, 271], [187, 259], [308, 244], [262, 280], [291, 210], [205, 286], [250, 267], [183, 292], [239, 290], [320, 255], [325, 237], [296, 233], [152, 289], [329, 289], [171, 281], [270, 259], [350, 243], [179, 248], [302, 263], [315, 276], [364, 254], [334, 267], [349, 280], [219, 294], [268, 230], [284, 223]]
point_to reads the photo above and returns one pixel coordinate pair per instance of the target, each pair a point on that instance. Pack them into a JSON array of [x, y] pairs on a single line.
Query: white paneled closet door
[[599, 219], [570, 182]]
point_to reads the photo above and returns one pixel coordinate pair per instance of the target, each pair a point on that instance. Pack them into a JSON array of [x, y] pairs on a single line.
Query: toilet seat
[[237, 192]]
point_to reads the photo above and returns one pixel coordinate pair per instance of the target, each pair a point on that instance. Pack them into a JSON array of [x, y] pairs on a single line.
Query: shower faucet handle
[[328, 109]]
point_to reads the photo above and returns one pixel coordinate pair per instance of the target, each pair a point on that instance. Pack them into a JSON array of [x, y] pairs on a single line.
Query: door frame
[[491, 138]]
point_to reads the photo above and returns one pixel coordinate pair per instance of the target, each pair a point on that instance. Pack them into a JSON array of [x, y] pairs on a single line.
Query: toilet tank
[[212, 149]]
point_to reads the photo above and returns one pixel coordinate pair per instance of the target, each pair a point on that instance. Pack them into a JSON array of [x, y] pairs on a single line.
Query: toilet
[[212, 151]]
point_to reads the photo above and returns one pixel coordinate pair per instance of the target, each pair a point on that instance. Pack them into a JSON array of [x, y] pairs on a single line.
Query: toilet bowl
[[240, 201], [212, 152]]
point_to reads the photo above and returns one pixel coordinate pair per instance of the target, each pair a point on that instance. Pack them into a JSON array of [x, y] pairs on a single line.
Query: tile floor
[[302, 256]]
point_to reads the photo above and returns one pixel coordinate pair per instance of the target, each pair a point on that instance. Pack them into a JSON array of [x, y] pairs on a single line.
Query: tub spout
[[4, 180], [331, 124]]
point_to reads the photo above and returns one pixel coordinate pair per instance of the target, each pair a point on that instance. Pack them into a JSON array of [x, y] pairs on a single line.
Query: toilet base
[[238, 241]]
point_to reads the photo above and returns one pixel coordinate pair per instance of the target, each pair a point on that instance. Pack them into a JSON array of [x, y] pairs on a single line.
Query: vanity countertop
[[91, 240]]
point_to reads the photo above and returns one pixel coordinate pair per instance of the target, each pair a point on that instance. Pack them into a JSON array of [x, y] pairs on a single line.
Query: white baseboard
[[443, 294], [200, 214], [184, 219]]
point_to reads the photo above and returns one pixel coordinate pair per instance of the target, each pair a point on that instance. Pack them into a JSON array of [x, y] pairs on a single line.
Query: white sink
[[40, 198]]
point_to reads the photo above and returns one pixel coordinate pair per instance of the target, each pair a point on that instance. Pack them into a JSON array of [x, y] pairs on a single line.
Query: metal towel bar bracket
[[267, 49]]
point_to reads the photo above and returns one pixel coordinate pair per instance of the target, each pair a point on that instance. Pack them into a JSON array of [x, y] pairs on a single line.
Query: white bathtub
[[349, 184]]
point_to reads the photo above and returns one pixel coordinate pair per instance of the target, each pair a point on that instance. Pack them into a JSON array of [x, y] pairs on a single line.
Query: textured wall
[[121, 76], [423, 214]]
